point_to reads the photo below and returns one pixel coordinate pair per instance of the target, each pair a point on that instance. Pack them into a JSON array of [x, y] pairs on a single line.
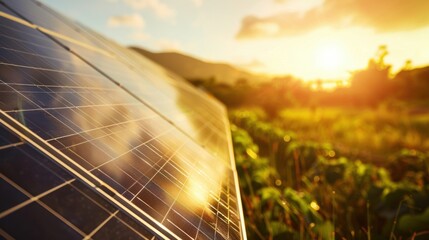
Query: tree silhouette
[[372, 84]]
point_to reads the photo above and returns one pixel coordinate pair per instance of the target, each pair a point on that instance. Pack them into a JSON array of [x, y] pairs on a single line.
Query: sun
[[330, 57]]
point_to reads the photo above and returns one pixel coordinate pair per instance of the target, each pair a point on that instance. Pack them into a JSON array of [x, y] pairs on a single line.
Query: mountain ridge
[[192, 68]]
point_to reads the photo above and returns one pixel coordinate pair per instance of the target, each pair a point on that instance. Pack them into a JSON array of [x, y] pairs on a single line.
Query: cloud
[[380, 15], [132, 21], [162, 10]]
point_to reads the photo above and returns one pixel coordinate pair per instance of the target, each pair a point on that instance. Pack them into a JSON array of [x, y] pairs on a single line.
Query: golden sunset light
[[330, 57], [282, 36], [214, 119]]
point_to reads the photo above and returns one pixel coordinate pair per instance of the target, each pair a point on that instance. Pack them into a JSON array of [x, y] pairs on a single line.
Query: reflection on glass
[[192, 112], [116, 133]]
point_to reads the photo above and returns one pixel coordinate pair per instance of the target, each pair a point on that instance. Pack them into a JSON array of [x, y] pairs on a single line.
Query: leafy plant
[[296, 187]]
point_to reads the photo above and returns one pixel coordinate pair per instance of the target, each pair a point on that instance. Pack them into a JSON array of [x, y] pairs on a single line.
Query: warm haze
[[312, 39]]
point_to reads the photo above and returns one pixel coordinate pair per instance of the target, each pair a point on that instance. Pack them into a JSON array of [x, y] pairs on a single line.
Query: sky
[[309, 39]]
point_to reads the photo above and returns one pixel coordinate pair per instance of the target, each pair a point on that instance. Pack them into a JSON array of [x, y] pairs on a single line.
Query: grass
[[372, 136]]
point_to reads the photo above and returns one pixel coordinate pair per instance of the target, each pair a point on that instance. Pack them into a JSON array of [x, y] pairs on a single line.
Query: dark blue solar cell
[[11, 100], [106, 117], [86, 214], [7, 138], [30, 170], [190, 110], [14, 196], [115, 229], [69, 206], [126, 220], [177, 221], [42, 224]]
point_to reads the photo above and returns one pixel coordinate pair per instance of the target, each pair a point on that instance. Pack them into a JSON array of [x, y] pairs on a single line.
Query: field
[[333, 173]]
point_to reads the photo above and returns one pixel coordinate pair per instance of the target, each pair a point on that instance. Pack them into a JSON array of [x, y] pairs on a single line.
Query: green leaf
[[411, 223], [270, 193]]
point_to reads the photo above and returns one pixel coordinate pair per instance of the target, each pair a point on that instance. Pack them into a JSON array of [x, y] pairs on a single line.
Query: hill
[[195, 69]]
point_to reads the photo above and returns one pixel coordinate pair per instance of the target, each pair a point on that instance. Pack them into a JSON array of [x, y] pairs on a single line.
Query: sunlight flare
[[330, 57]]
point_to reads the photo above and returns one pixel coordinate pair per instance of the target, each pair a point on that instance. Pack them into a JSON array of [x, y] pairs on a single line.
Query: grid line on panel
[[77, 172], [103, 127], [3, 117], [31, 197], [59, 216], [161, 167], [21, 51], [156, 174], [106, 134], [134, 148], [37, 199], [84, 106], [153, 144], [58, 35], [173, 154], [42, 69], [24, 21], [16, 19], [161, 113], [100, 226], [41, 200], [53, 34], [52, 86], [11, 145], [6, 235], [199, 225], [24, 52], [141, 100], [179, 228]]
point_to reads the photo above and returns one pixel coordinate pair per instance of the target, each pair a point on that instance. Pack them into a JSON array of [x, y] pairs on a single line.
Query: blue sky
[[309, 39], [184, 25]]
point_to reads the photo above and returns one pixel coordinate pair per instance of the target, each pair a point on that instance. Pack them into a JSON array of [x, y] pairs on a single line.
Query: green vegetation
[[299, 185], [372, 87], [350, 163]]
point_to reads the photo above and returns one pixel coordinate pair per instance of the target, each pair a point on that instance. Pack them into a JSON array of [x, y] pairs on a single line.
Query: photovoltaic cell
[[101, 146], [198, 117], [43, 201]]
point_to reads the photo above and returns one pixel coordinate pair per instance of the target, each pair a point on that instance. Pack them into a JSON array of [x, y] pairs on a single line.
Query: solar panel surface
[[46, 202], [98, 136], [203, 120]]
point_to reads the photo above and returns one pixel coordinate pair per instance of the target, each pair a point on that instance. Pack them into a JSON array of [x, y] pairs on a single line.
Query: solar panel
[[98, 142], [172, 99], [54, 202]]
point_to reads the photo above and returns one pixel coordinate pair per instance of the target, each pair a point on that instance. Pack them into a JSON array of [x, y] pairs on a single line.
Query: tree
[[371, 85]]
